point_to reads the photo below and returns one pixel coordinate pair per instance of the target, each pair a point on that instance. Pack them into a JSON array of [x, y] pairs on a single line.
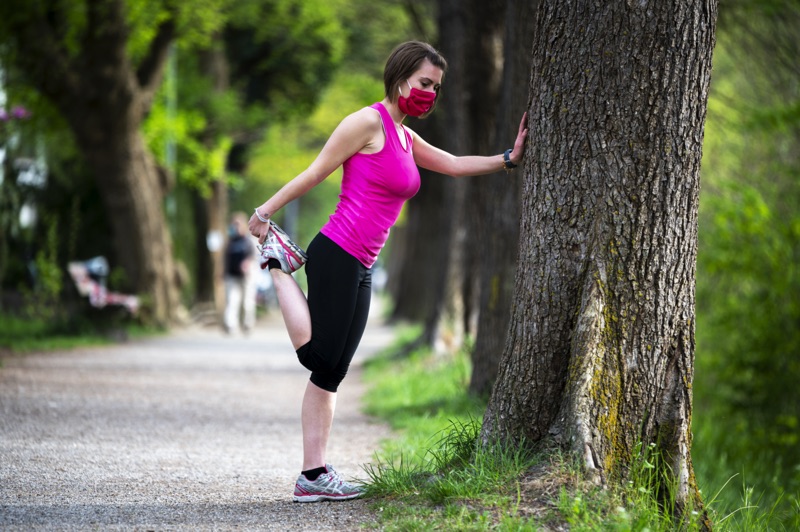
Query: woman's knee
[[314, 361], [328, 381]]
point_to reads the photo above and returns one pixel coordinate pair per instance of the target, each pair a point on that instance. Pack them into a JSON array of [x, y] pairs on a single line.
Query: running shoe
[[329, 486], [279, 246]]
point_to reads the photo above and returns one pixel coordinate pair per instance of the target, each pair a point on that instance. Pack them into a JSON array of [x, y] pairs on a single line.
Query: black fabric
[[239, 249], [313, 474], [339, 294]]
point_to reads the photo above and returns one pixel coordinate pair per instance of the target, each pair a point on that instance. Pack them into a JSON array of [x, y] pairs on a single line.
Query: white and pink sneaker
[[279, 246]]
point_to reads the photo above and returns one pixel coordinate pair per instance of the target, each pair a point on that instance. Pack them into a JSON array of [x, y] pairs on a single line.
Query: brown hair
[[404, 60]]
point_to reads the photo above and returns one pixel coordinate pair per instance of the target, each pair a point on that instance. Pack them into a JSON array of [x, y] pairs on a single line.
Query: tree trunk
[[416, 286], [211, 212], [130, 186], [484, 55], [454, 34], [600, 355], [497, 212], [444, 299], [470, 84], [103, 98]]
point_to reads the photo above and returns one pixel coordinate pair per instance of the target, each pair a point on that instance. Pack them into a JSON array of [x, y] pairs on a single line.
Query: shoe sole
[[322, 497]]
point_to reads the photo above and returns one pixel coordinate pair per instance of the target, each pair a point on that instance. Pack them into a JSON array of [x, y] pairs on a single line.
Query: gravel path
[[191, 431]]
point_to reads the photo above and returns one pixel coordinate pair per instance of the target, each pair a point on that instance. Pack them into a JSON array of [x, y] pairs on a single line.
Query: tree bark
[[131, 190], [484, 57], [454, 34], [600, 355], [498, 209]]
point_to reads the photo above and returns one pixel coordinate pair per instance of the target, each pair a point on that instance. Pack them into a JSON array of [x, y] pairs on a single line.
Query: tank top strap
[[391, 131]]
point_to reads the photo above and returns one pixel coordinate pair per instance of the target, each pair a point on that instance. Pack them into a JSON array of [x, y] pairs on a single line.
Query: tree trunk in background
[[210, 217], [469, 35], [600, 355], [103, 98], [454, 36], [217, 208], [485, 74], [129, 183], [497, 206], [439, 227], [211, 211], [204, 274], [417, 263]]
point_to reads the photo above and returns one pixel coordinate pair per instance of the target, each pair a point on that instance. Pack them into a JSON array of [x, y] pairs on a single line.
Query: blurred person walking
[[241, 269]]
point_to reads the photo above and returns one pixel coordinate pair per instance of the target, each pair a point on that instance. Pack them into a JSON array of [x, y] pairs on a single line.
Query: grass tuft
[[449, 481]]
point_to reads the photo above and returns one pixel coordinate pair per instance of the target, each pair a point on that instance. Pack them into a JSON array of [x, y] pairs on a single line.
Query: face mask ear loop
[[400, 92]]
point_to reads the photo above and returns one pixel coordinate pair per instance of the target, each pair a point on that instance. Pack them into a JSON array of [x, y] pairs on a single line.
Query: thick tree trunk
[[132, 193], [601, 349], [104, 98], [498, 209]]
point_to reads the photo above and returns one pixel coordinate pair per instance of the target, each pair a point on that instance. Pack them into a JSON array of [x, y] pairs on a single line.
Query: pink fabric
[[374, 188], [418, 102]]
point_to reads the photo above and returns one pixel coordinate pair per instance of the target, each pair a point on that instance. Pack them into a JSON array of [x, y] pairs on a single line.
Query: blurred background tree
[[747, 416]]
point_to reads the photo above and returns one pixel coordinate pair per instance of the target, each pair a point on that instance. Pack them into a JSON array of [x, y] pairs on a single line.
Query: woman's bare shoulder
[[364, 128], [365, 117]]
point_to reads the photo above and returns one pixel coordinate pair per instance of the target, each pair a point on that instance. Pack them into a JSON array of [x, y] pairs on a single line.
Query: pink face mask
[[418, 102]]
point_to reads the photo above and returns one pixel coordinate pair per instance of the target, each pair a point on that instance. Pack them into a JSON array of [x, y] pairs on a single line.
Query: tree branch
[[151, 68]]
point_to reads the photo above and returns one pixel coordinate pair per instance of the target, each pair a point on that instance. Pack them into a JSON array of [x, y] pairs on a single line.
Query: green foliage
[[284, 52], [450, 481], [458, 473], [746, 395], [42, 300], [202, 157], [447, 481], [196, 22], [420, 395], [746, 417]]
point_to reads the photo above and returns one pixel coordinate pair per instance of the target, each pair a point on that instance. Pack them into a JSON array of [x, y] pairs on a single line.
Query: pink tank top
[[374, 188]]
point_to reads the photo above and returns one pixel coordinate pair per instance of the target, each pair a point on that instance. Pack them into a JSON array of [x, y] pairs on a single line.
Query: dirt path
[[192, 431]]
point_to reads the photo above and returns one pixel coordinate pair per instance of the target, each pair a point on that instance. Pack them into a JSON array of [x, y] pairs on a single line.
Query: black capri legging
[[339, 293]]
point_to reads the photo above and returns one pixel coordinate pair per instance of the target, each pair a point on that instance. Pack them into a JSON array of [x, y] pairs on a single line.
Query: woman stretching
[[380, 157]]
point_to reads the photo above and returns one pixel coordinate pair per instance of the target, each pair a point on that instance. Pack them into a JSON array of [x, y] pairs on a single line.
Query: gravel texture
[[190, 431]]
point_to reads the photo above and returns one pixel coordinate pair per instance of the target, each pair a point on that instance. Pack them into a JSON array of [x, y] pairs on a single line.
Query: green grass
[[742, 479], [25, 335], [433, 475]]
